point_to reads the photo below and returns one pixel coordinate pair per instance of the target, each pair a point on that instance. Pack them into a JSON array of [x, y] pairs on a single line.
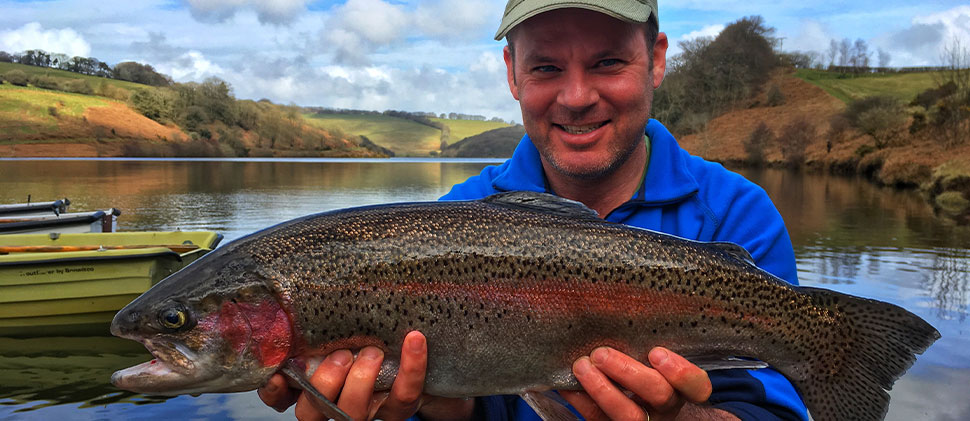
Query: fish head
[[211, 327]]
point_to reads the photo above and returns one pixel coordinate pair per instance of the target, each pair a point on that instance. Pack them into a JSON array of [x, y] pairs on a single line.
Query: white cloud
[[33, 36], [707, 31], [925, 41], [360, 27], [191, 65], [448, 19], [478, 88], [268, 11], [811, 36]]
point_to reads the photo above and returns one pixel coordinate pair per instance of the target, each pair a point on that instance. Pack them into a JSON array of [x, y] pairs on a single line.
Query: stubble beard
[[619, 154]]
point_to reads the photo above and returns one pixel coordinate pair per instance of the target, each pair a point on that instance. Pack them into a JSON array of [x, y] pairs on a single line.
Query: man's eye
[[545, 69], [608, 62]]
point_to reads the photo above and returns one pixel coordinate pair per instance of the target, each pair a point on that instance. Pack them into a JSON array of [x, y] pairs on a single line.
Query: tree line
[[129, 71]]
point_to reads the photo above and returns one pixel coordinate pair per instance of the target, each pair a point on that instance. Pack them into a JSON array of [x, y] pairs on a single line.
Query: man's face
[[585, 84]]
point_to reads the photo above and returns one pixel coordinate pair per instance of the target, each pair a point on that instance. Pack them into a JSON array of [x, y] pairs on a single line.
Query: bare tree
[[845, 52], [833, 52], [884, 58], [861, 54]]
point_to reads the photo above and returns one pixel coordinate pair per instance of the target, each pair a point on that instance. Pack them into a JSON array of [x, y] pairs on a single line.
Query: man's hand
[[658, 393], [352, 380]]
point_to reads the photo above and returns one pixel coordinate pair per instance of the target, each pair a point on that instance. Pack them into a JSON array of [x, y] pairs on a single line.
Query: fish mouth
[[172, 366]]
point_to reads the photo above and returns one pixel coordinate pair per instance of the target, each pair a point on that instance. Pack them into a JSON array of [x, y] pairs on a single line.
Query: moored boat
[[54, 207], [72, 284], [64, 223]]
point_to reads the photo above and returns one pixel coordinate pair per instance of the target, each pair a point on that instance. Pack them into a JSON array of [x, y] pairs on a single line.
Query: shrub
[[930, 97], [16, 77], [882, 117], [919, 121], [952, 202], [78, 86], [775, 97], [864, 150], [951, 118], [108, 90], [152, 104], [52, 111], [838, 125], [794, 139], [755, 144], [46, 82]]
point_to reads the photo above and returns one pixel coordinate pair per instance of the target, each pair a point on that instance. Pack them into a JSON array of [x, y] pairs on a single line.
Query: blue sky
[[414, 55]]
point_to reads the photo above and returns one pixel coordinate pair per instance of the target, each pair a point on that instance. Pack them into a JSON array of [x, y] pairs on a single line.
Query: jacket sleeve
[[476, 187]]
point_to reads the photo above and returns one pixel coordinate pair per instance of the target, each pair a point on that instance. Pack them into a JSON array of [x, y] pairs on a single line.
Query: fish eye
[[172, 318]]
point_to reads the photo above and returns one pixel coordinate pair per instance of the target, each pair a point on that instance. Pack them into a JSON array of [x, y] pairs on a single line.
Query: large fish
[[509, 291]]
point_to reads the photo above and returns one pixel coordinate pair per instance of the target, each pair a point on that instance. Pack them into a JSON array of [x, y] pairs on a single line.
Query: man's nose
[[577, 93]]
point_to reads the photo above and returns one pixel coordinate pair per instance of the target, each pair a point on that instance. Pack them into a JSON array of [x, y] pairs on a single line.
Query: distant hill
[[496, 143], [47, 112], [847, 87]]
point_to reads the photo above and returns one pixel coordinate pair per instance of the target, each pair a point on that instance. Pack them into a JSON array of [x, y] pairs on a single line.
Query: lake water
[[849, 235]]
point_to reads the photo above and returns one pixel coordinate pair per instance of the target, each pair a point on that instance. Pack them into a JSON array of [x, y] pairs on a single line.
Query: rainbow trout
[[509, 291]]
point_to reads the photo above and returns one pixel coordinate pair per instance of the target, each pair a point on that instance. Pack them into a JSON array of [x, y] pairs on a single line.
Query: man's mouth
[[572, 129]]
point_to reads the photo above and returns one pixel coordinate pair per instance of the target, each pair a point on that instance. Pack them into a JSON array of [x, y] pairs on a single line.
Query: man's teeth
[[581, 129]]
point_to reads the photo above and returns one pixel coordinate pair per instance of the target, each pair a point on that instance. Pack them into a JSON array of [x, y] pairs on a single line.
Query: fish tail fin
[[872, 345]]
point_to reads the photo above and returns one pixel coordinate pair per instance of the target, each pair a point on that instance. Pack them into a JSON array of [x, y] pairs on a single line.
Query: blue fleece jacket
[[689, 197]]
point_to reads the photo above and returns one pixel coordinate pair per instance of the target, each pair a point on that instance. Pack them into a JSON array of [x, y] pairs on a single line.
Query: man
[[584, 73]]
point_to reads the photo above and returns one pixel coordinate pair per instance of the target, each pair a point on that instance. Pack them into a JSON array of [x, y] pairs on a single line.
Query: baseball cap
[[516, 11]]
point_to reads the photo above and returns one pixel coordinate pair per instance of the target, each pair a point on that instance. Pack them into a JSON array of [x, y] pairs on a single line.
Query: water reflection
[[946, 280]]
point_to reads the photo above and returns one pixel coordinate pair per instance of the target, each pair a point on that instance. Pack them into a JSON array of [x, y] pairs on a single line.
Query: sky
[[416, 55]]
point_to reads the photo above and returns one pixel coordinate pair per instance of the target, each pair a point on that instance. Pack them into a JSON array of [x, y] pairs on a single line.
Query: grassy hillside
[[904, 86], [404, 137], [32, 113], [45, 71], [495, 143], [461, 129]]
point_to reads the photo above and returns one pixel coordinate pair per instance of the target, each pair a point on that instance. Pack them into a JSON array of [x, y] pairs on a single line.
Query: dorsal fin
[[734, 250], [543, 203]]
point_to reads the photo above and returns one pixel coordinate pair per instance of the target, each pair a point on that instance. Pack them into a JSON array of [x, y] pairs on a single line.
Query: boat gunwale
[[64, 219], [102, 257]]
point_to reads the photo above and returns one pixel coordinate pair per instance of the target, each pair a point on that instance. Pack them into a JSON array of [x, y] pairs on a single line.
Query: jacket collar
[[667, 179]]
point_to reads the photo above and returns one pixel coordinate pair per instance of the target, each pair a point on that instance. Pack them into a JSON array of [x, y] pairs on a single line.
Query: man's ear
[[510, 72], [659, 59]]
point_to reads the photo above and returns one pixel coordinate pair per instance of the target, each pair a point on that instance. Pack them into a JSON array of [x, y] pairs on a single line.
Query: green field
[[846, 88], [404, 137], [27, 110], [46, 71], [461, 129]]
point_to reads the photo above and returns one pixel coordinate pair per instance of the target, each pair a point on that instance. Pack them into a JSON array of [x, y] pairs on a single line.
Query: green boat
[[73, 284]]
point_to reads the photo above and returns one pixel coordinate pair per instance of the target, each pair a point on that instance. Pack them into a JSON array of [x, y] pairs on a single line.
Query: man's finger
[[328, 379], [406, 391], [277, 394], [355, 397], [689, 380], [607, 396], [647, 384]]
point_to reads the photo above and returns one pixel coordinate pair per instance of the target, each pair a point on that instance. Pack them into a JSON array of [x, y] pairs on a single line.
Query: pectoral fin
[[710, 363], [549, 406], [328, 408]]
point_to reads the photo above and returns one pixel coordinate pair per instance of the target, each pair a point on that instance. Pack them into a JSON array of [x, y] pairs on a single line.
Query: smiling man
[[584, 72]]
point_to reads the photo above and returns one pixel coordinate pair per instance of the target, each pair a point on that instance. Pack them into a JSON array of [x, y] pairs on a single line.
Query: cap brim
[[626, 10]]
